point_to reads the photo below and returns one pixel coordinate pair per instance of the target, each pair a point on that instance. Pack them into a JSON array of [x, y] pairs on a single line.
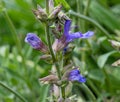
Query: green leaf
[[103, 58], [97, 75], [64, 3], [104, 16]]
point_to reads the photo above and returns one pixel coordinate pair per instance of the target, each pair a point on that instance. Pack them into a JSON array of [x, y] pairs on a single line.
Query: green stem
[[51, 50], [58, 70], [47, 33], [62, 88], [89, 92], [15, 36], [93, 87], [92, 21], [49, 41], [15, 93], [80, 10], [87, 7], [47, 7], [107, 81], [63, 92], [85, 13], [13, 31]]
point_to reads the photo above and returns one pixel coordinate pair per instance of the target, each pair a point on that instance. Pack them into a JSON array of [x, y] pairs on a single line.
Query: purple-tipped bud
[[74, 75], [36, 42]]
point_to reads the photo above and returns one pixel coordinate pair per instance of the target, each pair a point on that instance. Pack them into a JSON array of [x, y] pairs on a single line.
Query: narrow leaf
[[103, 58]]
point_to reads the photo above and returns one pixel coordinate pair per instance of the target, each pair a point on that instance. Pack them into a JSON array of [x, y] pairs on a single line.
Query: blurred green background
[[20, 66]]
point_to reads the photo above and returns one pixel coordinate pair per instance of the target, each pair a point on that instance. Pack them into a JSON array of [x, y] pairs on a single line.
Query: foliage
[[21, 67]]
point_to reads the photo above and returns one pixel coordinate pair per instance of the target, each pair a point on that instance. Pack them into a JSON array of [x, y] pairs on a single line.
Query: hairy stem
[[14, 92], [49, 41]]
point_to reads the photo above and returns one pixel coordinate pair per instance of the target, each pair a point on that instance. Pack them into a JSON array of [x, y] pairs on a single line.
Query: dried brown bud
[[49, 79], [40, 14], [116, 63], [63, 17], [59, 44], [115, 44], [55, 12], [45, 57], [51, 5]]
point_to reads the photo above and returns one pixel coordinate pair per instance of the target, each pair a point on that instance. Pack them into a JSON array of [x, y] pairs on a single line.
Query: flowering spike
[[36, 42], [74, 75]]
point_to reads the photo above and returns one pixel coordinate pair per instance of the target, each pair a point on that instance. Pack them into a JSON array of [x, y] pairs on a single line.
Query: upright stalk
[[49, 40], [51, 50]]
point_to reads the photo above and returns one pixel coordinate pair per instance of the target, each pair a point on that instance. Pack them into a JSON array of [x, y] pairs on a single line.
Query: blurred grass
[[94, 56]]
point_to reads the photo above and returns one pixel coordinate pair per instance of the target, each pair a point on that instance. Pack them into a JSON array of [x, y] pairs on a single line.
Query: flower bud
[[49, 79], [36, 42], [40, 14], [45, 57], [62, 17], [51, 5], [59, 44], [116, 63], [55, 12], [115, 44]]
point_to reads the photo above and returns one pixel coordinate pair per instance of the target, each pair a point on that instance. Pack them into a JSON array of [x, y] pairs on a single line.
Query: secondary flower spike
[[36, 42], [74, 75], [69, 37]]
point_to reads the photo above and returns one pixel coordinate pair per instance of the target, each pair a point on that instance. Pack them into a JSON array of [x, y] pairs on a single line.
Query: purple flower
[[36, 42], [69, 37], [74, 75]]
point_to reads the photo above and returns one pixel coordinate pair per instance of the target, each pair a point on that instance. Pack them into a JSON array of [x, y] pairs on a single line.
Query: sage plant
[[59, 24]]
